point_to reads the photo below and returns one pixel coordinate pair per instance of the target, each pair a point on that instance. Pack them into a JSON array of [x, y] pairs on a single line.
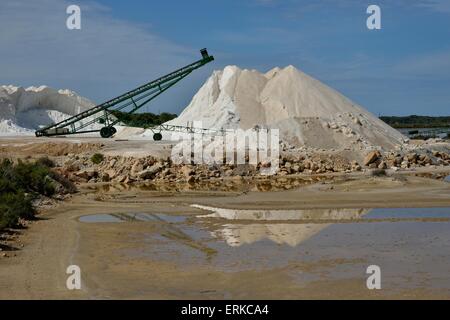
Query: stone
[[187, 171], [151, 172], [137, 167], [382, 165], [373, 165], [112, 163], [371, 157], [86, 174]]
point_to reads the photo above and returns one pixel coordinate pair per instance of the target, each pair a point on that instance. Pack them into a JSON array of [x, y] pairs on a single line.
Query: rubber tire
[[106, 132], [157, 136], [113, 131]]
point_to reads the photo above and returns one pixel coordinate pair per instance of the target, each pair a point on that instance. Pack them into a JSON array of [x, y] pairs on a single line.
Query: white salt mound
[[22, 111], [306, 111]]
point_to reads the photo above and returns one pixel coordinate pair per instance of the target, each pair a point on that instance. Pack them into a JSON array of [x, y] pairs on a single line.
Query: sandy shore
[[163, 259]]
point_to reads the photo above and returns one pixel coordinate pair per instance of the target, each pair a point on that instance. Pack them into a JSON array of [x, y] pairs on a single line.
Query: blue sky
[[402, 69]]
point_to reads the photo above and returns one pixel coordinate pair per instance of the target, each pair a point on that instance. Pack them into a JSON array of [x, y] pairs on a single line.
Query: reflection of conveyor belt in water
[[170, 230]]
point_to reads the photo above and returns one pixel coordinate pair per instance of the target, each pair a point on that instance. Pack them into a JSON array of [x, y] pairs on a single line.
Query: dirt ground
[[29, 146], [179, 255]]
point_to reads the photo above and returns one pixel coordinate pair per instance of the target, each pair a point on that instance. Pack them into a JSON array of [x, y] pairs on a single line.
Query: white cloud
[[106, 56], [434, 65], [436, 5]]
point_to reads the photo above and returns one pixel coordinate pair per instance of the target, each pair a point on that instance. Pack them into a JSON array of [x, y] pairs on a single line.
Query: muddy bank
[[164, 248]]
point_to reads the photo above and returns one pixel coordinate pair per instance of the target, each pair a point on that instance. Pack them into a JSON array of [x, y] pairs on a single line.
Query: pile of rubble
[[118, 169], [393, 160]]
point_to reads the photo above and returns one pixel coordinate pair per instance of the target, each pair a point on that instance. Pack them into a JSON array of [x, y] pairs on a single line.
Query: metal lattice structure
[[133, 100]]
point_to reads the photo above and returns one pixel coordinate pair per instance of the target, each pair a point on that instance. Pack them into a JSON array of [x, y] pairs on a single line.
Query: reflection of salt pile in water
[[22, 111], [291, 234], [307, 112]]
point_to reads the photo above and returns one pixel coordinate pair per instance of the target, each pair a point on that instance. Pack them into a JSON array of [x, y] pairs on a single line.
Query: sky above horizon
[[402, 69]]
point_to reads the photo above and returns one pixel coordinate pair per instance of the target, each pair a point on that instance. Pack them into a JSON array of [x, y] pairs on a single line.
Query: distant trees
[[415, 121], [143, 120]]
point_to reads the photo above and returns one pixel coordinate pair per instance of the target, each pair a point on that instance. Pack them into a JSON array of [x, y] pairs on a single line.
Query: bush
[[32, 177], [46, 162], [68, 185], [19, 185], [97, 158], [14, 206]]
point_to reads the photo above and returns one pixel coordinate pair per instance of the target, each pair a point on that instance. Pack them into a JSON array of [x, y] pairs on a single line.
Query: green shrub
[[14, 206], [66, 183], [19, 185], [32, 177], [97, 158], [46, 162]]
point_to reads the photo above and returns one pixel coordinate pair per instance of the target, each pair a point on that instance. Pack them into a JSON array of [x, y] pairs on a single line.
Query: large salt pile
[[307, 112], [22, 111]]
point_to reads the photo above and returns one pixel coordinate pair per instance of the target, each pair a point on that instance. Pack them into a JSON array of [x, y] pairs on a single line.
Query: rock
[[187, 171], [151, 172], [112, 163], [106, 177], [191, 179], [373, 165], [412, 157], [398, 160], [357, 121], [137, 167], [382, 165], [111, 173], [166, 172], [128, 180], [72, 166], [86, 174], [120, 179], [372, 157]]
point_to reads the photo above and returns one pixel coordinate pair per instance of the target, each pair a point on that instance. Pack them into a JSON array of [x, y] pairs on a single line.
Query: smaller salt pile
[[22, 111]]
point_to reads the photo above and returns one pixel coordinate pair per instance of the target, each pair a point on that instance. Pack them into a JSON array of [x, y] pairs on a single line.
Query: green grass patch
[[97, 158]]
